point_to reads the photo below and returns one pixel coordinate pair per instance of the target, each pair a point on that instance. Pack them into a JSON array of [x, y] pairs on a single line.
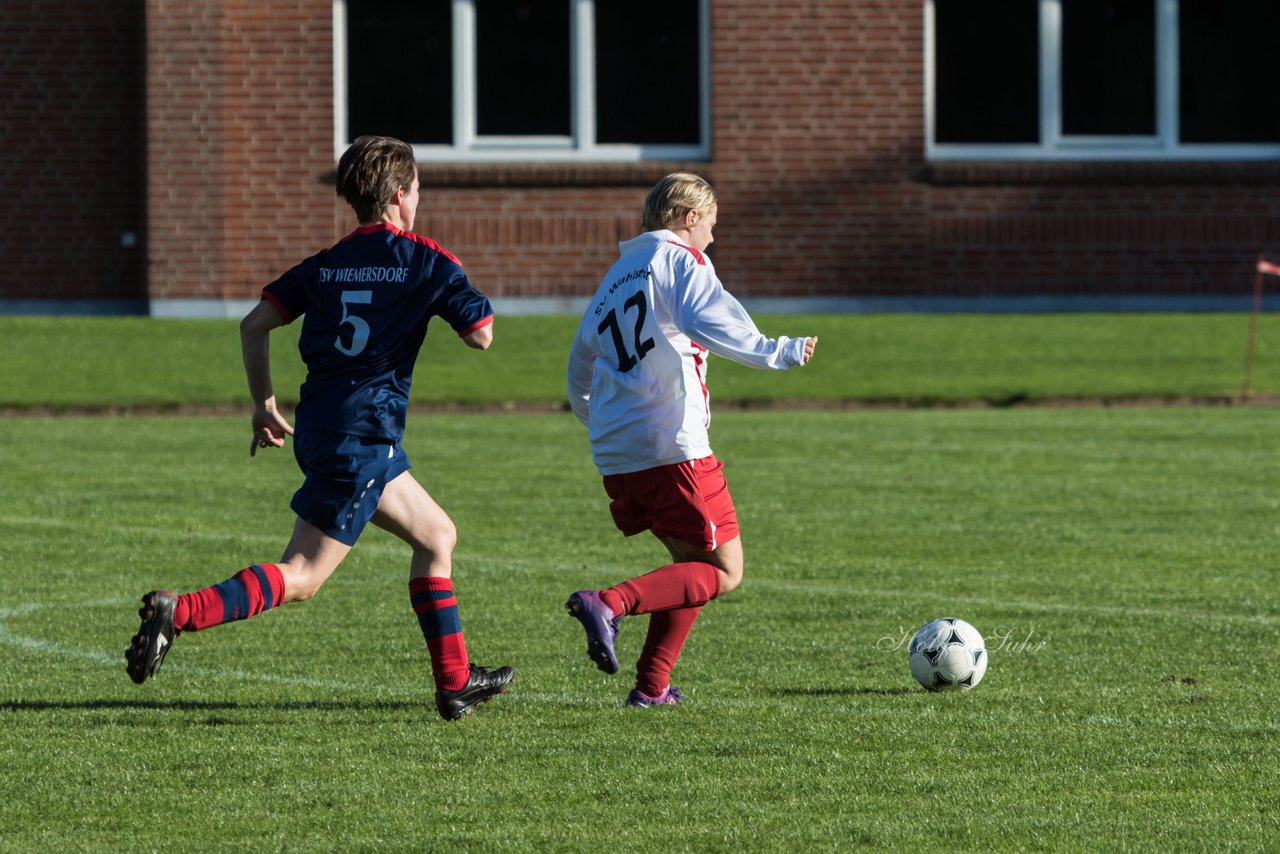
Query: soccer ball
[[947, 654]]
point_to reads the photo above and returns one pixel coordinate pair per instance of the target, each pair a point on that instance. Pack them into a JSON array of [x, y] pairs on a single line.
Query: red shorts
[[689, 501]]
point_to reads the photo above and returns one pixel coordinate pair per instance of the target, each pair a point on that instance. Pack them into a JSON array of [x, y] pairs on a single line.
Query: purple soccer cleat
[[637, 699], [601, 627]]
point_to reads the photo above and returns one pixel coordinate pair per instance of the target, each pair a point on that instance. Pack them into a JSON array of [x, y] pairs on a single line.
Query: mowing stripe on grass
[[489, 564], [951, 600], [97, 656]]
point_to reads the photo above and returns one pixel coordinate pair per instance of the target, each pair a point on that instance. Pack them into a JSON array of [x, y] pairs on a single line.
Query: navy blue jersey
[[365, 304]]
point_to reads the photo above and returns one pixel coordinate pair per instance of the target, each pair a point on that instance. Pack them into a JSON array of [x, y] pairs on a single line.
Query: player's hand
[[810, 344], [269, 429]]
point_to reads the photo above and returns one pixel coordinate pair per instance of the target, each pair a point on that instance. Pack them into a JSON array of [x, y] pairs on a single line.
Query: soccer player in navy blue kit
[[365, 304]]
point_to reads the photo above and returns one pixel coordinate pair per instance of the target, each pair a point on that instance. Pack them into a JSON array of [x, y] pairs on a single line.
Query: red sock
[[250, 591], [667, 633], [437, 612], [676, 585]]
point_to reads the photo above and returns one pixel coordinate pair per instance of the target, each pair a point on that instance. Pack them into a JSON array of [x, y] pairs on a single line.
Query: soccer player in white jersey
[[637, 381]]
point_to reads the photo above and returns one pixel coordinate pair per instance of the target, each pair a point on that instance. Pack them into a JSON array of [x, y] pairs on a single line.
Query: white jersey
[[638, 365]]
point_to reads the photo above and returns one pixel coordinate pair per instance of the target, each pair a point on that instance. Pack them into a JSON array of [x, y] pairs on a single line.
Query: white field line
[[521, 697], [493, 564], [483, 564], [99, 657], [480, 563]]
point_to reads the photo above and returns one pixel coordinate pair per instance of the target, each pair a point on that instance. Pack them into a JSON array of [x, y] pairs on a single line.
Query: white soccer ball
[[947, 654]]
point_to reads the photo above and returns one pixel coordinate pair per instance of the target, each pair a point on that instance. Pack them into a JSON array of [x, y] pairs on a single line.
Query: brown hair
[[673, 197], [370, 172]]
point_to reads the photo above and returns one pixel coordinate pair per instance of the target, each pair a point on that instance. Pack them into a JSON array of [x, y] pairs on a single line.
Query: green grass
[[138, 362], [1125, 556], [1121, 562]]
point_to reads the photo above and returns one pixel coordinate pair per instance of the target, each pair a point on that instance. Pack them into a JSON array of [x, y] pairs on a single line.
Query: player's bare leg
[[309, 560], [726, 557], [407, 511]]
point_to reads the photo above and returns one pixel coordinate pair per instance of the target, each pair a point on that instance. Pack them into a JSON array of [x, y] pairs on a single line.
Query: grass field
[[1121, 562]]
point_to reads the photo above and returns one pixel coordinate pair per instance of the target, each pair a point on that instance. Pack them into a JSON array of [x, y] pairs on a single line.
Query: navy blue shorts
[[345, 476]]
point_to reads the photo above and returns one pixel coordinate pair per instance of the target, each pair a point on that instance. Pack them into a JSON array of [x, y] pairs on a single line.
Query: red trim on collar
[[408, 235], [696, 254]]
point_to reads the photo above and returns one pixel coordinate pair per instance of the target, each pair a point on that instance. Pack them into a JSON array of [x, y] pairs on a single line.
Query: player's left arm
[[810, 344], [481, 338], [269, 426], [464, 307], [710, 315]]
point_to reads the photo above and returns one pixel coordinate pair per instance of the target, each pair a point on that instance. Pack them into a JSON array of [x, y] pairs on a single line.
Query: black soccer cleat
[[147, 649], [482, 686]]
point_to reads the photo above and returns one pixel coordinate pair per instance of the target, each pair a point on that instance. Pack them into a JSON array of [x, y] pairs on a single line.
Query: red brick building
[[175, 155]]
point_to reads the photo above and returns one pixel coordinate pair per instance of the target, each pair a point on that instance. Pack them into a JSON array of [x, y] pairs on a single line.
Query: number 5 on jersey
[[626, 361], [359, 328]]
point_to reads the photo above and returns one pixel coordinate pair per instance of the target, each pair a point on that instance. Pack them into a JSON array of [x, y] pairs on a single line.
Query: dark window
[[1227, 88], [986, 71], [522, 68], [632, 48], [400, 69], [1108, 68]]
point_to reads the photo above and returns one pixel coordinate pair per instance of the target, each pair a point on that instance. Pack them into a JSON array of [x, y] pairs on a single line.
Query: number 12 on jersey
[[626, 361]]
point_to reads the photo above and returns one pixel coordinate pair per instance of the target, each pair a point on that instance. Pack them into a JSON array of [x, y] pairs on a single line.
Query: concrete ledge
[[201, 308], [63, 307]]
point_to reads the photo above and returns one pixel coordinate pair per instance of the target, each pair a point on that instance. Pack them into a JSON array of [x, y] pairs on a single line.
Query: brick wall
[[240, 128], [817, 112], [818, 143], [71, 145], [1104, 228], [525, 238]]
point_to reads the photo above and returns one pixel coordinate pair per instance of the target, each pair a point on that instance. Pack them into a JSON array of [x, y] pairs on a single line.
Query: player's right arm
[[578, 378], [269, 426]]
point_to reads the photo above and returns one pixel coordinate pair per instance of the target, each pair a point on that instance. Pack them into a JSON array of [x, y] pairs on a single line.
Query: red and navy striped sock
[[676, 585], [437, 611], [668, 631], [250, 591]]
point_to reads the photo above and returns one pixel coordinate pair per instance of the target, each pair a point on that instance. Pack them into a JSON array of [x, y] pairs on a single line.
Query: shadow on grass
[[843, 692], [204, 705]]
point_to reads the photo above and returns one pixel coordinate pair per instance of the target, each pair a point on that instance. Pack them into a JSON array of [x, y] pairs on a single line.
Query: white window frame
[[1054, 145], [579, 146]]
